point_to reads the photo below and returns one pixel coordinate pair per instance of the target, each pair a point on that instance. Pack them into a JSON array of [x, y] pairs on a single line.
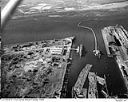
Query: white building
[[56, 50]]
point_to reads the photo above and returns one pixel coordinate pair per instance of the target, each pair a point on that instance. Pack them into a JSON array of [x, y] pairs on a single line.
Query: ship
[[78, 91], [92, 90]]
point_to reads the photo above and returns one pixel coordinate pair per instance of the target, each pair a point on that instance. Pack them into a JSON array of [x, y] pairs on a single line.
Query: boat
[[78, 91]]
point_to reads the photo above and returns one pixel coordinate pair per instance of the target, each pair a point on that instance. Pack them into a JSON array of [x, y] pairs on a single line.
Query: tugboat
[[78, 91]]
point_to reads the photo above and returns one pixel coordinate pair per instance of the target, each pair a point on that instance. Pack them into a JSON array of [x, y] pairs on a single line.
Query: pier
[[117, 47], [78, 87], [92, 91]]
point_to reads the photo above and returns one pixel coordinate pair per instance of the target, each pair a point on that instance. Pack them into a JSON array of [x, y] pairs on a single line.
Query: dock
[[78, 87], [92, 90], [79, 50], [118, 48]]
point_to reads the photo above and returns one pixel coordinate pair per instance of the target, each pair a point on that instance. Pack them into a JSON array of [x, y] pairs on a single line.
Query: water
[[42, 28]]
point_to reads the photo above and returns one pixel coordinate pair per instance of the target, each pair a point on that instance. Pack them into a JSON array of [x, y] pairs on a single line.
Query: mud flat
[[35, 69], [117, 47]]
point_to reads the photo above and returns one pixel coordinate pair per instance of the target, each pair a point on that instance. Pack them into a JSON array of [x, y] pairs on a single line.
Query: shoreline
[[94, 7]]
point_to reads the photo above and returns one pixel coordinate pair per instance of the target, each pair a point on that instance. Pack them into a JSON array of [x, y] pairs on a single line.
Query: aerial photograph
[[64, 49]]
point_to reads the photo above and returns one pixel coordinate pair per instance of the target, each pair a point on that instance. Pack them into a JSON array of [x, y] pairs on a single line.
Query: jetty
[[96, 51]]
